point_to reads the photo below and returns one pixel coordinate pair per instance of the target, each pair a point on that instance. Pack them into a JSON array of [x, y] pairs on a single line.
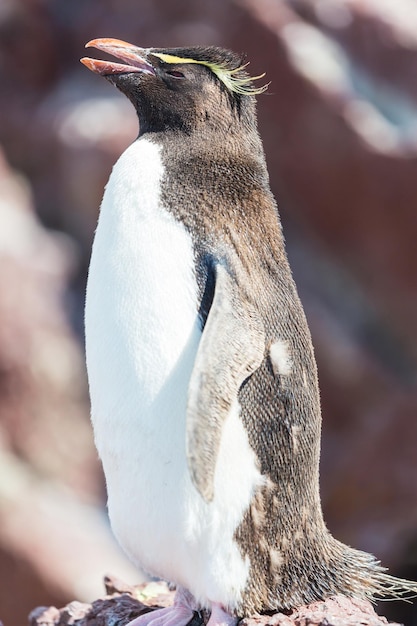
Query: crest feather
[[230, 78]]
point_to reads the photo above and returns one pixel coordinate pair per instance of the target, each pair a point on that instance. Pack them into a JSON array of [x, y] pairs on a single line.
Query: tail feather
[[366, 577], [387, 587]]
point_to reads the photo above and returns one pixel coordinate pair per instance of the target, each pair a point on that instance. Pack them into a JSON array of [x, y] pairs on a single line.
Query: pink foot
[[219, 617], [179, 614]]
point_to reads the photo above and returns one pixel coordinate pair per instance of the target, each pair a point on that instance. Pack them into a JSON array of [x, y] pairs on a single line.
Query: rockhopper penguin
[[203, 382]]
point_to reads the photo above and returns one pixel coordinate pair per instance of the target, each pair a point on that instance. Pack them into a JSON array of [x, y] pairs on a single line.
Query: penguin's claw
[[179, 614], [171, 616], [219, 617]]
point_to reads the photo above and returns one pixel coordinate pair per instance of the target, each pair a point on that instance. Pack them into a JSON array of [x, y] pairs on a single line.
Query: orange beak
[[134, 58]]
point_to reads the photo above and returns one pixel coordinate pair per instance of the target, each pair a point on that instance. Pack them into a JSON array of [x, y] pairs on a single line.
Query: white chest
[[141, 322], [142, 335], [141, 307]]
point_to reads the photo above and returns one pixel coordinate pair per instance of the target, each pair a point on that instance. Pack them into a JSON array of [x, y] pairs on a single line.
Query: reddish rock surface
[[339, 129], [124, 603]]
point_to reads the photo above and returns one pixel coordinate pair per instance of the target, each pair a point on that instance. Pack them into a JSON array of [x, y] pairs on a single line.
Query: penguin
[[203, 382]]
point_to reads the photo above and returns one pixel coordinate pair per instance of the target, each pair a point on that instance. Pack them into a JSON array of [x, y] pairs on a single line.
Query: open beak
[[134, 58]]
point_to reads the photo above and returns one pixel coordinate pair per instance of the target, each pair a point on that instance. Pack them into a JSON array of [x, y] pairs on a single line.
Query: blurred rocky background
[[340, 131]]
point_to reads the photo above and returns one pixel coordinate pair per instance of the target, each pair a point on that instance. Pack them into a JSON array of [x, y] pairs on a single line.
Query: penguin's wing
[[231, 348]]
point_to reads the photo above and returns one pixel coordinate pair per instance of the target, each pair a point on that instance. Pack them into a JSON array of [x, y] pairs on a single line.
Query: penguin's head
[[180, 89]]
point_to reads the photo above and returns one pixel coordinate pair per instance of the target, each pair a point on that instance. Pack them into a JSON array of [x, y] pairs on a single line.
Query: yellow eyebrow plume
[[228, 77]]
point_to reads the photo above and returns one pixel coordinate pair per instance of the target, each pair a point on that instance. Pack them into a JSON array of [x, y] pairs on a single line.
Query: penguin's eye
[[175, 73]]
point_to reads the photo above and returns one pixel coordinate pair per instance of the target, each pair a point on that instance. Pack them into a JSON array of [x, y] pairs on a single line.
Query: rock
[[336, 611], [118, 607], [122, 604], [44, 616]]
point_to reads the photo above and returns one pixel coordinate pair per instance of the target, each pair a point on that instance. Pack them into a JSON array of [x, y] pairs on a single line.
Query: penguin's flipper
[[232, 347]]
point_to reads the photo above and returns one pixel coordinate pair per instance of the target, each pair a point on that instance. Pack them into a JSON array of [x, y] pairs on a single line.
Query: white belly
[[142, 334]]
